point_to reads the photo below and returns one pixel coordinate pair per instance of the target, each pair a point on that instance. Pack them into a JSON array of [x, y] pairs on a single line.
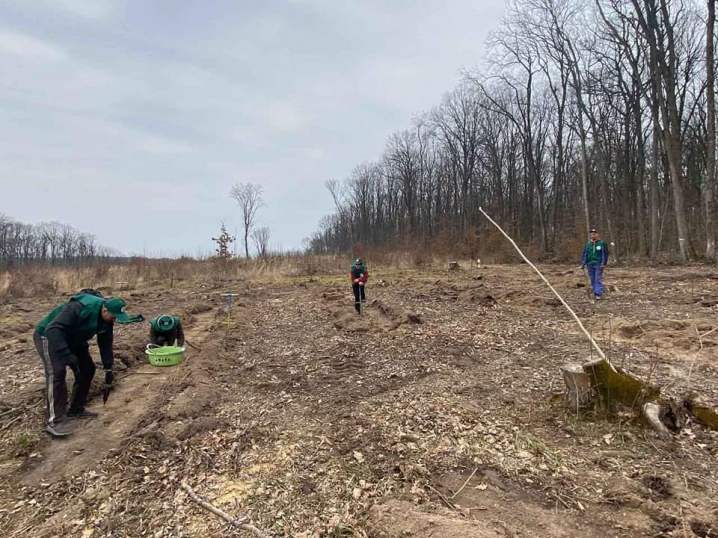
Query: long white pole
[[575, 317]]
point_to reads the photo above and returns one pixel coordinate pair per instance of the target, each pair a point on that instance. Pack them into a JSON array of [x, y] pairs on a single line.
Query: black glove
[[109, 377]]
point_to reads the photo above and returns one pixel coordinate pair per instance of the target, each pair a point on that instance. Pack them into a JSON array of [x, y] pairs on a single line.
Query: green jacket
[[157, 328], [358, 271], [90, 323], [595, 253], [70, 326]]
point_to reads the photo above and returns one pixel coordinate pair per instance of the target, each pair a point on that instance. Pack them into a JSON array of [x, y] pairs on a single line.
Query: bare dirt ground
[[436, 413]]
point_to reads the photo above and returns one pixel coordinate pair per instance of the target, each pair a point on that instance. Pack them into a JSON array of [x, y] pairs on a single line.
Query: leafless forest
[[582, 114]]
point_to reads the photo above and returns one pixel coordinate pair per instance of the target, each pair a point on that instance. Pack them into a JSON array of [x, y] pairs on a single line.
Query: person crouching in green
[[61, 341], [166, 331]]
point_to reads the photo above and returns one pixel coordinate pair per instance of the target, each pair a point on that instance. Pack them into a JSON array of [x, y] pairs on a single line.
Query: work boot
[[82, 414], [58, 429]]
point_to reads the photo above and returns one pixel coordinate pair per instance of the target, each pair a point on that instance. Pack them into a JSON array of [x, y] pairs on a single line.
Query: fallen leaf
[[525, 455]]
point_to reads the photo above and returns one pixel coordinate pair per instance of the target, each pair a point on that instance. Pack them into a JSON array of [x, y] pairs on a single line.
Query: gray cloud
[[132, 119]]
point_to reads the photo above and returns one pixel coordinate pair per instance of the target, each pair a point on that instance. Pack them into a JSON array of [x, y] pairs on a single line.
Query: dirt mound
[[398, 315], [472, 292], [681, 337], [198, 308], [376, 316], [477, 295], [545, 301], [334, 295], [15, 327], [401, 518]]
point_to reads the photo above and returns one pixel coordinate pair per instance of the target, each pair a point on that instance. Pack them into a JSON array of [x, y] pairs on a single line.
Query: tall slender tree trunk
[[675, 161], [711, 134], [584, 176], [640, 175], [605, 196], [640, 211], [655, 201]]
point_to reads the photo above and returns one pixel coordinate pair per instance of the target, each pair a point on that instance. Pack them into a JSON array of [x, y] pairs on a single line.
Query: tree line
[[583, 114], [49, 243]]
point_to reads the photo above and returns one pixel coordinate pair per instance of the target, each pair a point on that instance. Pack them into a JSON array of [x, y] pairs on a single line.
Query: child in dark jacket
[[166, 331], [359, 274]]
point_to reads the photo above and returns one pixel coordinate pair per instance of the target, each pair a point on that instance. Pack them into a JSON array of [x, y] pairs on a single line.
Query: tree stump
[[617, 387], [453, 266], [595, 382], [580, 394]]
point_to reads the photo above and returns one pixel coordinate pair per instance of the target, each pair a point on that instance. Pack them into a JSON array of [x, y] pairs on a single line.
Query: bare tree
[[711, 133], [664, 27], [249, 198], [260, 238]]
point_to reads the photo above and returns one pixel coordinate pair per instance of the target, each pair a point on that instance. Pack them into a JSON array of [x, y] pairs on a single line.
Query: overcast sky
[[132, 119]]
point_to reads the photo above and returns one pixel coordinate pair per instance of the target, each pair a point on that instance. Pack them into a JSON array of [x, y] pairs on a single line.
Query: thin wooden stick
[[138, 373], [467, 481], [13, 421], [9, 411], [575, 317], [235, 522], [709, 332], [695, 358], [443, 498]]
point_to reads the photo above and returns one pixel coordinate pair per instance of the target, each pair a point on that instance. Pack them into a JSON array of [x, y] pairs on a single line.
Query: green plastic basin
[[165, 356]]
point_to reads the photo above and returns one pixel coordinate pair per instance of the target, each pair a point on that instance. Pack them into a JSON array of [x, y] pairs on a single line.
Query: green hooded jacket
[[90, 321], [157, 328]]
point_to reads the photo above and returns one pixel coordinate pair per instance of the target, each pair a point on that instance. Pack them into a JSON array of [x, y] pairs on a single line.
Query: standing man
[[165, 330], [61, 341], [359, 274], [595, 256]]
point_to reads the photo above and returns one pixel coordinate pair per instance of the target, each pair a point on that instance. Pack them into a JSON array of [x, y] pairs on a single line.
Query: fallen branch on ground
[[13, 421], [139, 373], [443, 498], [235, 522], [467, 481], [709, 332], [9, 412]]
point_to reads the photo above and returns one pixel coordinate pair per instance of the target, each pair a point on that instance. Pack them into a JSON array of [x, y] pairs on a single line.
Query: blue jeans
[[595, 273]]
